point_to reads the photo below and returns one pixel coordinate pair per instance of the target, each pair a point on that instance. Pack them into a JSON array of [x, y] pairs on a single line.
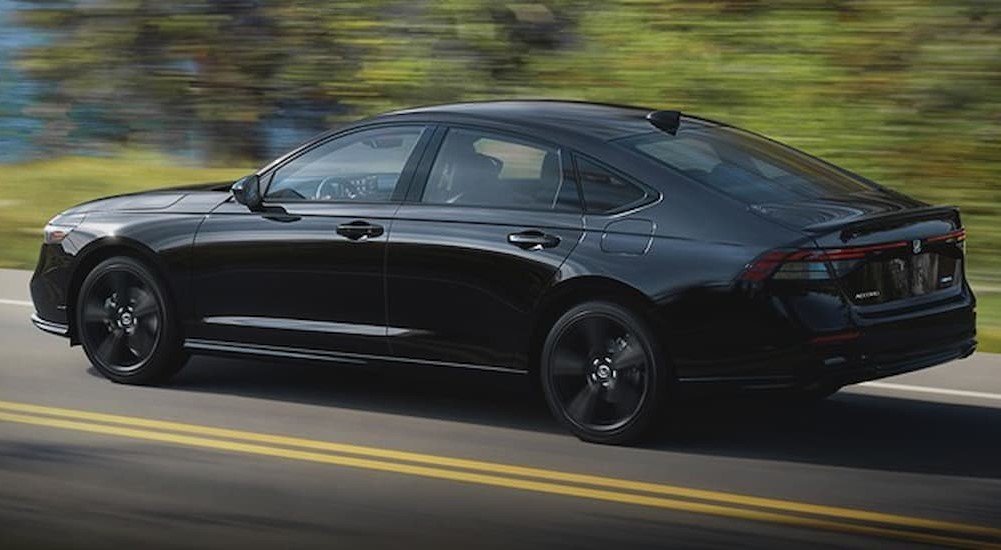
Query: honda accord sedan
[[619, 255]]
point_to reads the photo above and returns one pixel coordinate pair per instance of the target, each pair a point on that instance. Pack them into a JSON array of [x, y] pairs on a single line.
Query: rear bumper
[[50, 327], [880, 366], [878, 347], [940, 333]]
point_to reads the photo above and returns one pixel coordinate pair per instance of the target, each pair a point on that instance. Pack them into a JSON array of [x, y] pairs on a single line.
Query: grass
[[989, 320], [33, 192]]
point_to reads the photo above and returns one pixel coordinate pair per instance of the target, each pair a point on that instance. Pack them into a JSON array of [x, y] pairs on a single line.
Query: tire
[[134, 340], [603, 373]]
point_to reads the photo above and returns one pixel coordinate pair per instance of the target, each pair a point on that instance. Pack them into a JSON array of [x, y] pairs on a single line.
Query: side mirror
[[247, 191]]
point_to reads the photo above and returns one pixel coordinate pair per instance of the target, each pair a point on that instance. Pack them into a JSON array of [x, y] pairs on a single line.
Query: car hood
[[807, 213], [191, 198]]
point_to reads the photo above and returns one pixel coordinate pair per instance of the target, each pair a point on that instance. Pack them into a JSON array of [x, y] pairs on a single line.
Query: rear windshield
[[750, 168]]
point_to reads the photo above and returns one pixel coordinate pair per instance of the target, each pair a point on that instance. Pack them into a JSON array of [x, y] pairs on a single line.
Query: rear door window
[[480, 168]]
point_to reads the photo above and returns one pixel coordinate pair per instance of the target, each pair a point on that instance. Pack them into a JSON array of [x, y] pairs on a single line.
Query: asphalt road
[[260, 455]]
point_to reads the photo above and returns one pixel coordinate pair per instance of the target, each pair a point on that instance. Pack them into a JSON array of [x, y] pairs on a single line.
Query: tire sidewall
[[657, 381], [159, 365]]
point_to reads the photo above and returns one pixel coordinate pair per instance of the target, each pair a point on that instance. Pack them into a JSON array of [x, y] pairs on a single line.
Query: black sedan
[[618, 254]]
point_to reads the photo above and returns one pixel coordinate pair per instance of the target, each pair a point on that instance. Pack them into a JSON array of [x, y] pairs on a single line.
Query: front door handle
[[359, 230], [533, 239]]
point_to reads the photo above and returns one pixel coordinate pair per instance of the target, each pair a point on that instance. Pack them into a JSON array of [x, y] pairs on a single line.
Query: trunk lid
[[894, 256], [884, 250]]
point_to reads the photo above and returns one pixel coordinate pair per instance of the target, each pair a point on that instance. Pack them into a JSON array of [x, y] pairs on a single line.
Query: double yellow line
[[784, 512]]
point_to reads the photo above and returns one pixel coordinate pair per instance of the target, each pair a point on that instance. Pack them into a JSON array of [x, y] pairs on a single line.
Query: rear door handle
[[533, 239], [359, 230]]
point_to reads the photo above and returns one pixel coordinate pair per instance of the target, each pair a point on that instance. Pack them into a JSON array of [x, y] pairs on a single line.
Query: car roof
[[595, 120]]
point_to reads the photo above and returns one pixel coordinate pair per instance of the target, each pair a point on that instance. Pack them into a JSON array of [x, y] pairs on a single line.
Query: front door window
[[359, 167]]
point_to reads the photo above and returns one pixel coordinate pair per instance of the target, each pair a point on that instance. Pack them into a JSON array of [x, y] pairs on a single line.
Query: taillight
[[763, 267], [956, 236], [810, 264], [801, 265], [813, 264]]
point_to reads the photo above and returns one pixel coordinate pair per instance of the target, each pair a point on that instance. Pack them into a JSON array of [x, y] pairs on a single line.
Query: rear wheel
[[603, 373], [126, 324]]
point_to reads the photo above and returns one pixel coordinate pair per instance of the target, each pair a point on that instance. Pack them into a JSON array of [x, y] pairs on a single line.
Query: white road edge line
[[926, 389], [23, 303]]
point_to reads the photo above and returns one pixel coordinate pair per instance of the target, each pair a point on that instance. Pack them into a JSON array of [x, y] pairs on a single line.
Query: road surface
[[259, 455]]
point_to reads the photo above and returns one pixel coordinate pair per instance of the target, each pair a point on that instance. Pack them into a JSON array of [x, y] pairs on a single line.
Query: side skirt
[[216, 347]]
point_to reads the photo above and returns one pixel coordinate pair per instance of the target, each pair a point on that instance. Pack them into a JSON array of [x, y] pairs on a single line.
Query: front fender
[[162, 240]]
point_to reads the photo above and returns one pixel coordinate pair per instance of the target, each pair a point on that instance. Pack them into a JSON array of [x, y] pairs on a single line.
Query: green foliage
[[34, 192], [907, 93], [989, 320]]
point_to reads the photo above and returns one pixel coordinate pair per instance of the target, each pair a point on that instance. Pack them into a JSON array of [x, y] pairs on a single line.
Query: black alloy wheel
[[603, 373], [125, 325]]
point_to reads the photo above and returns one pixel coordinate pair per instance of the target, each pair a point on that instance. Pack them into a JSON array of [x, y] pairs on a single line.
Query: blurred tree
[[156, 71], [905, 91], [161, 72], [150, 71]]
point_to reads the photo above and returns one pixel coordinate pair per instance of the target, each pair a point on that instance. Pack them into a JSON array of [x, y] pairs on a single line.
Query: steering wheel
[[347, 188], [335, 187]]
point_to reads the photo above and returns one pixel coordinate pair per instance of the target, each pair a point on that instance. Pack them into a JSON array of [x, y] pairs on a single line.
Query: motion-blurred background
[[108, 96]]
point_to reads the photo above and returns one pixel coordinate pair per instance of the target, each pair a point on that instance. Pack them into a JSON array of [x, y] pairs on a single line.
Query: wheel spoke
[[630, 356], [584, 404], [596, 332], [119, 283], [141, 340], [112, 346], [145, 303], [568, 362], [94, 313], [625, 397]]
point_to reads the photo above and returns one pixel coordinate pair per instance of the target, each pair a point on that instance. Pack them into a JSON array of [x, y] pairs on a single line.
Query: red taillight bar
[[834, 254], [858, 252], [766, 264], [959, 235]]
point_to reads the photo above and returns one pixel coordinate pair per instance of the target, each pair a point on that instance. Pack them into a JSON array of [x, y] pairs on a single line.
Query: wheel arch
[[566, 294], [98, 251]]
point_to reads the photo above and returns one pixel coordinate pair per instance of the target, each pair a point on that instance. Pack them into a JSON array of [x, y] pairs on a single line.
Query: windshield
[[750, 168]]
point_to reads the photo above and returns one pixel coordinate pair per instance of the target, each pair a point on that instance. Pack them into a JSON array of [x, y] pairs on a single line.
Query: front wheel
[[126, 324], [603, 373]]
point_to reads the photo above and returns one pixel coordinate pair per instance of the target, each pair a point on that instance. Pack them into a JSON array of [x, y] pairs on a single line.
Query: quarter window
[[474, 168], [363, 166], [605, 191]]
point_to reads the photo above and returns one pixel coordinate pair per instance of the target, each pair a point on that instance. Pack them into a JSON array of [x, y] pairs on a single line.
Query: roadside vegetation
[[33, 192]]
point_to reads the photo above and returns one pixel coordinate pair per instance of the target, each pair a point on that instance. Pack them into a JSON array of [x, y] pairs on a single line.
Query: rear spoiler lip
[[852, 227]]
